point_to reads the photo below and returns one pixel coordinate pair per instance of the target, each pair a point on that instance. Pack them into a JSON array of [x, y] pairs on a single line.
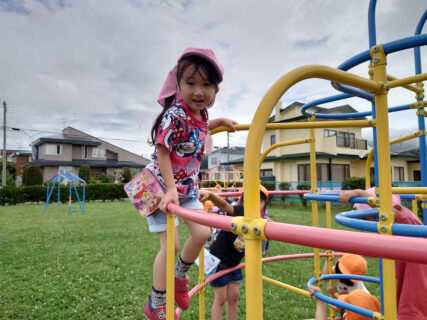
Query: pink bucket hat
[[169, 87], [395, 201]]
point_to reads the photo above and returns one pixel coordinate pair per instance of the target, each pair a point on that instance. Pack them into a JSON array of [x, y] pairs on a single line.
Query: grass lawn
[[98, 265]]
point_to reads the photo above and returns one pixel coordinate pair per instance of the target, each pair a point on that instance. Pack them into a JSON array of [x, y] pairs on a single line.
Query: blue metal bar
[[340, 304], [371, 23], [59, 194], [332, 197], [417, 50], [77, 196], [353, 91], [84, 196], [321, 101], [69, 198], [342, 276], [49, 195], [351, 219], [390, 47], [407, 196]]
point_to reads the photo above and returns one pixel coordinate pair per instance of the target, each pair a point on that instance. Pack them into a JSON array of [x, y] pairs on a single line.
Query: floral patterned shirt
[[183, 135]]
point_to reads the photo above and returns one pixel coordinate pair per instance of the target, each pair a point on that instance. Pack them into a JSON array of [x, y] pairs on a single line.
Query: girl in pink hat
[[179, 133]]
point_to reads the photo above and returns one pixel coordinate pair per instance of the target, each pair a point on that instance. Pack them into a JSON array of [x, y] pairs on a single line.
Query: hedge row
[[213, 183], [100, 191]]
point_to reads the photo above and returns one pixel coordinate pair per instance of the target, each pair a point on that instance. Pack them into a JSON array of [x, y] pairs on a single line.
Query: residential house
[[71, 149], [20, 159], [220, 155], [340, 152]]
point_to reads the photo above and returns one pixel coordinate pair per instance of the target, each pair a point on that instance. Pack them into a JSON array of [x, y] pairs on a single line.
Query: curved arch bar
[[350, 277], [351, 219], [417, 50], [390, 47], [340, 304], [371, 23]]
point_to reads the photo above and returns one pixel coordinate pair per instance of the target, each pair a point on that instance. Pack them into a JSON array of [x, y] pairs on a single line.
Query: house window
[[399, 174], [85, 151], [340, 172], [66, 169], [346, 140], [98, 153], [272, 139], [214, 161], [266, 172], [337, 172], [329, 133], [417, 175], [53, 149]]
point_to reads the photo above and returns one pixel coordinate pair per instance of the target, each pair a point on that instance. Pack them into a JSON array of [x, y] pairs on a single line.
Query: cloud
[[99, 65]]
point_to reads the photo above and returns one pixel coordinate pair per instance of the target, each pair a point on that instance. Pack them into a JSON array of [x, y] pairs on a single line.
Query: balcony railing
[[352, 143]]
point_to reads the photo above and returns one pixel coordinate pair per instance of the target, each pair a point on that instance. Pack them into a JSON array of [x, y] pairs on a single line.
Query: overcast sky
[[98, 66]]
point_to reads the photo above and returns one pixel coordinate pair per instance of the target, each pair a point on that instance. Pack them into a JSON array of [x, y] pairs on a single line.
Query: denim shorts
[[157, 221], [235, 276]]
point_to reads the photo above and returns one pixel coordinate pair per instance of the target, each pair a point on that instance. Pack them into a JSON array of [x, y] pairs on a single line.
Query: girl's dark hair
[[262, 197], [347, 282], [199, 64]]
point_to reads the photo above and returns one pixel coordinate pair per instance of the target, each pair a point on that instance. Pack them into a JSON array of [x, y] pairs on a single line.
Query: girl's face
[[196, 90]]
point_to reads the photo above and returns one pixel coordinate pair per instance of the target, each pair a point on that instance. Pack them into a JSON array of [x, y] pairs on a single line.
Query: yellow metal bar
[[415, 207], [314, 203], [303, 125], [384, 174], [371, 155], [202, 282], [409, 190], [408, 86], [287, 287], [408, 80], [253, 269], [368, 169], [170, 266], [330, 258], [281, 144]]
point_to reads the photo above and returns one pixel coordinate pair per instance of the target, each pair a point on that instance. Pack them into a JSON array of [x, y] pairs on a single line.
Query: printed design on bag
[[145, 192]]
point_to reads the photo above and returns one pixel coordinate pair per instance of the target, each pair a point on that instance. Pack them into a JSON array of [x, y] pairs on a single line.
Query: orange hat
[[208, 205], [352, 264], [362, 299]]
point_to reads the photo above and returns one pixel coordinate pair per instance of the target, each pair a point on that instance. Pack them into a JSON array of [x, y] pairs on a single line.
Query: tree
[[33, 175], [127, 175], [84, 173]]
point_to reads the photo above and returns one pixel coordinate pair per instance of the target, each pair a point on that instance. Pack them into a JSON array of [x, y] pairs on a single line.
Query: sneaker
[[159, 313], [181, 293]]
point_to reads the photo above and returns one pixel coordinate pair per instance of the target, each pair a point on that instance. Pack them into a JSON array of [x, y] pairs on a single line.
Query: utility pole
[[3, 178]]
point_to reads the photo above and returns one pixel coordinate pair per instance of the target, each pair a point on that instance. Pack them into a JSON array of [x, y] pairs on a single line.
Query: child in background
[[229, 248], [347, 264], [411, 278], [178, 134], [358, 298]]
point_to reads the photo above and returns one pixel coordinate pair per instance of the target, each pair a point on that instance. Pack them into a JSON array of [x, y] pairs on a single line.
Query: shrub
[[301, 197], [270, 186], [127, 175], [33, 175], [84, 173], [104, 178], [353, 183], [100, 191], [284, 186]]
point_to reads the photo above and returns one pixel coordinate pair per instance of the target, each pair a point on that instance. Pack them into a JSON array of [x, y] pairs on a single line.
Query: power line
[[77, 136]]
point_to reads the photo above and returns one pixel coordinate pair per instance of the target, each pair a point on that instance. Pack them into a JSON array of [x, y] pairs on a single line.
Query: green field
[[98, 265]]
